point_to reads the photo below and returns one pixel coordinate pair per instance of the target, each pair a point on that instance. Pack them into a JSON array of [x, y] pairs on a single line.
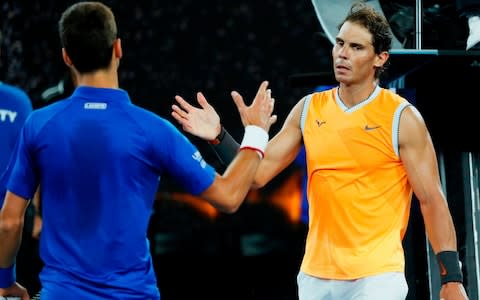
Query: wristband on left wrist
[[7, 276], [450, 267]]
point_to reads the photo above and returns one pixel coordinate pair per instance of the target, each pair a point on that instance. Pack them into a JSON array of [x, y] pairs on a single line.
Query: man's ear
[[66, 58], [117, 47], [381, 59]]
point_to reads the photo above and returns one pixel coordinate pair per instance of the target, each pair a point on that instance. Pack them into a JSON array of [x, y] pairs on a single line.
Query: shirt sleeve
[[182, 160], [20, 177]]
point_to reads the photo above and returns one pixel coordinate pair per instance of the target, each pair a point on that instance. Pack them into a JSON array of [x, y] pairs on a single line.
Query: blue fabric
[[7, 276], [15, 106], [98, 159]]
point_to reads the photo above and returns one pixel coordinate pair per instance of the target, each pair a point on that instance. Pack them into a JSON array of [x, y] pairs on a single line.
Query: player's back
[[98, 181]]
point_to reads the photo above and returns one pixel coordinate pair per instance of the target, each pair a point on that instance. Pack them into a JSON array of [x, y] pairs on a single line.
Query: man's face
[[354, 58]]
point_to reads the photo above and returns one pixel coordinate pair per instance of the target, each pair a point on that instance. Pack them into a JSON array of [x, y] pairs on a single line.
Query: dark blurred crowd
[[172, 47], [185, 46]]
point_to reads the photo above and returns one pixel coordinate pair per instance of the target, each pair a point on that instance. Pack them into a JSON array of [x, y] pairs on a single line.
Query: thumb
[[272, 120], [238, 99]]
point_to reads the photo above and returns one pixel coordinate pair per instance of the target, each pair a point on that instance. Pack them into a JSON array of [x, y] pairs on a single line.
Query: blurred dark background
[[184, 46]]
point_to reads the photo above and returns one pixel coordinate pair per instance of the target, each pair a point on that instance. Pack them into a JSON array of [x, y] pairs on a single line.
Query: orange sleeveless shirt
[[358, 193]]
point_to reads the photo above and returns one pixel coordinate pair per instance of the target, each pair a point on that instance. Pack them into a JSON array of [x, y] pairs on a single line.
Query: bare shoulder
[[412, 126], [297, 110], [411, 117]]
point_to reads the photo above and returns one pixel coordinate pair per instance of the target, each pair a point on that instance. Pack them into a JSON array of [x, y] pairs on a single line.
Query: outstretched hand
[[204, 122], [259, 113]]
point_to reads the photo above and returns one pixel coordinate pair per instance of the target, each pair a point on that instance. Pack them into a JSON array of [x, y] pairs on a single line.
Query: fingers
[[202, 101], [181, 113], [270, 104], [262, 89], [183, 104], [183, 122], [178, 112]]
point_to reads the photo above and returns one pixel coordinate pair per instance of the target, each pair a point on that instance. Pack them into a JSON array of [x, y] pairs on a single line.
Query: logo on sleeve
[[198, 157]]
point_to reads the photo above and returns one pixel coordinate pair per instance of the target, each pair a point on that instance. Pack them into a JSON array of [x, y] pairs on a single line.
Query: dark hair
[[375, 23], [87, 32]]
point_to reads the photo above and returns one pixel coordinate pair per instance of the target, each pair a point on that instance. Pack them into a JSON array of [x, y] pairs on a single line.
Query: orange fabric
[[359, 196]]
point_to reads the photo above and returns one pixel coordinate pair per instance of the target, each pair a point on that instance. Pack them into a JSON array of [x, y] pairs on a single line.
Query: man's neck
[[99, 79], [356, 93]]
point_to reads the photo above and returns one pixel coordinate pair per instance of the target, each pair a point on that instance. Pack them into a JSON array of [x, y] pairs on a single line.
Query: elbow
[[11, 225], [230, 208], [258, 184], [231, 202]]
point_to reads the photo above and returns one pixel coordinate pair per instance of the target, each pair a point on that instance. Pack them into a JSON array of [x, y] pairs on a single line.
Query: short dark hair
[[87, 32], [366, 16]]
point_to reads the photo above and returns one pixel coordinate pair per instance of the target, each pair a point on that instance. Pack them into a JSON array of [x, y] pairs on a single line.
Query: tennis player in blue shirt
[[98, 159]]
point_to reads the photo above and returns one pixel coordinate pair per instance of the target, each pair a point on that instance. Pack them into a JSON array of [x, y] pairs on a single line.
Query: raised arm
[[204, 122], [228, 191], [420, 161]]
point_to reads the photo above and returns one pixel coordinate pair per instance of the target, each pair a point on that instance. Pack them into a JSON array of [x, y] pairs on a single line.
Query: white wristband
[[255, 138]]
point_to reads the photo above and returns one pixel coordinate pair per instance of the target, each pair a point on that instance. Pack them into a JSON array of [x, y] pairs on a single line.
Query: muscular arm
[[420, 161], [235, 182], [282, 148], [205, 123], [228, 191]]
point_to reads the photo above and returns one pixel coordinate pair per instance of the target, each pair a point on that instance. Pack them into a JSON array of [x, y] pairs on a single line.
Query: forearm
[[229, 190], [238, 177], [442, 237], [439, 226], [10, 239], [226, 148]]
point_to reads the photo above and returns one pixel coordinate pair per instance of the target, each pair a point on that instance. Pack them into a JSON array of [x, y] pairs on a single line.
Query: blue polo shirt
[[15, 106], [98, 159]]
